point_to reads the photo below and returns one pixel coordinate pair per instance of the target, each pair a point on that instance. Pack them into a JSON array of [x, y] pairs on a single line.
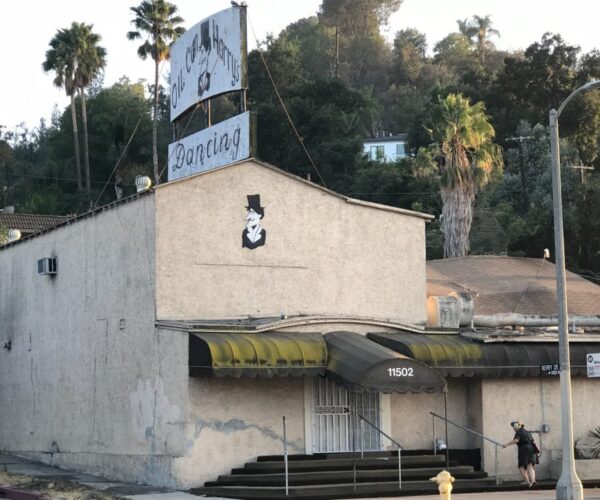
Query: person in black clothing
[[527, 455]]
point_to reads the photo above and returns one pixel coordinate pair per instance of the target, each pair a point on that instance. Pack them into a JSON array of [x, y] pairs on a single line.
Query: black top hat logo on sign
[[254, 235]]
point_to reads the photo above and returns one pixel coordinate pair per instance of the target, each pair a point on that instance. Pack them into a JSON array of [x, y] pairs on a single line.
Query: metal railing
[[362, 453], [466, 429], [285, 459]]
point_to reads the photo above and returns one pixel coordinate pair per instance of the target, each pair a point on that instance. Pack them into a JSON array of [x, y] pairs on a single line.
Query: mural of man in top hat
[[254, 235]]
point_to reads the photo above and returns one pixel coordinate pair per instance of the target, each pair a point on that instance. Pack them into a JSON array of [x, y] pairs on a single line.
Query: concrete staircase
[[342, 475]]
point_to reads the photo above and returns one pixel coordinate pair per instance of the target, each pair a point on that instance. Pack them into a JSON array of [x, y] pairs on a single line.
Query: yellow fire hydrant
[[444, 481]]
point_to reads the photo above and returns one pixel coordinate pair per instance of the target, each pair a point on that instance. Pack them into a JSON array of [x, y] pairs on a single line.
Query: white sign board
[[593, 365], [208, 60], [210, 148]]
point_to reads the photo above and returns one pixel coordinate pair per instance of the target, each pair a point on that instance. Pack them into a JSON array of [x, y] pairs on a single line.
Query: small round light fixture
[[14, 235], [142, 183]]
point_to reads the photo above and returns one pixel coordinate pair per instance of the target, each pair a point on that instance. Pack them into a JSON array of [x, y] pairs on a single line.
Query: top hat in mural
[[254, 204]]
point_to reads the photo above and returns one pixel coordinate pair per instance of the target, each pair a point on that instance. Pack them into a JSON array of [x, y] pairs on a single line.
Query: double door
[[336, 426]]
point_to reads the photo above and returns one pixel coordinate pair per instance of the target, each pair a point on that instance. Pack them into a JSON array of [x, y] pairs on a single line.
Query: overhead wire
[[65, 179], [126, 146], [200, 104], [283, 104]]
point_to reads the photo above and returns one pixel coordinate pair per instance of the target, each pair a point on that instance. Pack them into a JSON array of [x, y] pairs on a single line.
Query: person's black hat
[[254, 204]]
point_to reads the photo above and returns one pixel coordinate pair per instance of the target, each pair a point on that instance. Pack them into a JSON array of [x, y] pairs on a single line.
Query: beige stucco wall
[[88, 377], [233, 420], [533, 401], [411, 421], [322, 255]]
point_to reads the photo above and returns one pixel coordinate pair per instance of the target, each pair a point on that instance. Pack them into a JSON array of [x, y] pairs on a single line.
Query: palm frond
[[595, 448]]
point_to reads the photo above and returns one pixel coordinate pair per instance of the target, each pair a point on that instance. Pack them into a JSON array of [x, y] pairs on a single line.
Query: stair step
[[408, 462], [348, 454], [330, 477], [332, 491]]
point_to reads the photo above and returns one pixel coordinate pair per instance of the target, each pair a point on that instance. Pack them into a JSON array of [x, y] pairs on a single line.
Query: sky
[[26, 26]]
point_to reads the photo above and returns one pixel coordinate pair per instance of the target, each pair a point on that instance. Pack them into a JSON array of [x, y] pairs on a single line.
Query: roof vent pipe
[[13, 235], [142, 183]]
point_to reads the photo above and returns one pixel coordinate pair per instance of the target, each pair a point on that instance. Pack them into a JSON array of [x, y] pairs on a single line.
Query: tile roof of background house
[[30, 223], [511, 285]]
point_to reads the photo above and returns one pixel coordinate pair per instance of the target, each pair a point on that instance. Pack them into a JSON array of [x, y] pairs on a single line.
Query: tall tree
[[465, 157], [358, 18], [410, 48], [90, 59], [483, 27], [478, 31], [158, 21], [59, 58]]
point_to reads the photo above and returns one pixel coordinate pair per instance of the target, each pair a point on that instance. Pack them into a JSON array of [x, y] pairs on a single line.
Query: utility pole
[[582, 169], [523, 170], [569, 485]]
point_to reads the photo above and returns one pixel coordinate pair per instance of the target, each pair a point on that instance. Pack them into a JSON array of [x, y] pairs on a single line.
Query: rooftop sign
[[209, 59], [223, 143]]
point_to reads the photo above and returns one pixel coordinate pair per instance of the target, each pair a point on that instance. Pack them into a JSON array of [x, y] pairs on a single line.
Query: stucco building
[[181, 324]]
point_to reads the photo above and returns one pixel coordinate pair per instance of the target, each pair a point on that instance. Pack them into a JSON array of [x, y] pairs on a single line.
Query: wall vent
[[47, 266]]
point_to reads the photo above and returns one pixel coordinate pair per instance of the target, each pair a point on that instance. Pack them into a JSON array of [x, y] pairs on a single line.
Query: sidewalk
[[589, 494], [42, 476], [52, 481]]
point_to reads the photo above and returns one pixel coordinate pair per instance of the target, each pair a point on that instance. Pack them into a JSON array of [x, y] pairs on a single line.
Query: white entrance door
[[335, 417]]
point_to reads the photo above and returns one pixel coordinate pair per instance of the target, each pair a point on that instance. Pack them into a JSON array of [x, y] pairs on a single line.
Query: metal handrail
[[400, 447], [285, 459], [466, 429]]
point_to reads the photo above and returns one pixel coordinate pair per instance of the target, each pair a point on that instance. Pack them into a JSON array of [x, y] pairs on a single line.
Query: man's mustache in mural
[[254, 235]]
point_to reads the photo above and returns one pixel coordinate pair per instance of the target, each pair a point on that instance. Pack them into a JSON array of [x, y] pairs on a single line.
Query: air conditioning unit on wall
[[47, 266]]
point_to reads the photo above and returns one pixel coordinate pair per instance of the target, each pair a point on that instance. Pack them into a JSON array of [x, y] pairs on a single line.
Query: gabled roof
[[279, 171], [501, 285], [30, 223], [59, 220]]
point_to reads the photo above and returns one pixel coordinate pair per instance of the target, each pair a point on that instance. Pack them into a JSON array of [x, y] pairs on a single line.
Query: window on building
[[400, 150], [377, 153]]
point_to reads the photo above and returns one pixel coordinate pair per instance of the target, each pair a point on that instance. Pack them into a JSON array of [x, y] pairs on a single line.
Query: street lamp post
[[569, 486]]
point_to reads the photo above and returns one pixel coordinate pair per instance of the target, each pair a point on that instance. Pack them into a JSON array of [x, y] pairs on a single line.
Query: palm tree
[[466, 29], [90, 59], [77, 59], [481, 28], [59, 59], [483, 25], [156, 19], [465, 157]]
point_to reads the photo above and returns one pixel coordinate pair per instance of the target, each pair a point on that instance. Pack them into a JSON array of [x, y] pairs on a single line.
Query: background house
[[386, 148], [28, 223]]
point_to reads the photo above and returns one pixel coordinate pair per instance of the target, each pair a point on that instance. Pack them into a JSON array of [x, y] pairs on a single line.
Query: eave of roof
[[347, 199], [135, 196], [389, 138], [77, 218], [258, 325]]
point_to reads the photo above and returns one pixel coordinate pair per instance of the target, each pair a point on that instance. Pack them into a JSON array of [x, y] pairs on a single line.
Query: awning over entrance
[[256, 354], [359, 363], [456, 356]]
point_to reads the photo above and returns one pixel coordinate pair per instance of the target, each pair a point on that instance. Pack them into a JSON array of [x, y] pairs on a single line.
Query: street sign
[[593, 365], [332, 410], [550, 369]]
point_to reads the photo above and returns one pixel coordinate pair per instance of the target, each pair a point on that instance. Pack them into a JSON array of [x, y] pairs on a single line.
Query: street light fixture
[[569, 486]]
